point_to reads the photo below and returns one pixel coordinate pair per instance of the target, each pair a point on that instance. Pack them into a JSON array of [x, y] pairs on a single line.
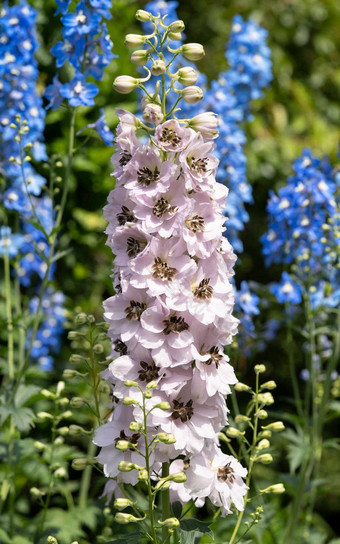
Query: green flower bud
[[35, 492], [80, 463], [76, 430], [75, 359], [264, 458], [269, 385], [239, 386], [192, 51], [123, 445], [59, 441], [47, 394], [186, 75], [130, 383], [242, 419], [170, 522], [263, 444], [177, 26], [158, 67], [265, 434], [148, 394], [265, 398], [162, 485], [143, 16], [143, 475], [178, 478], [128, 401], [76, 402], [163, 437], [175, 36], [39, 445], [72, 335], [80, 318], [90, 319], [151, 385], [163, 406], [276, 426], [52, 540], [60, 473], [259, 369], [66, 415], [68, 373], [125, 84], [262, 414], [63, 431], [126, 518], [232, 432], [135, 426], [276, 488], [122, 503], [125, 466], [140, 56], [134, 40], [98, 348], [44, 415]]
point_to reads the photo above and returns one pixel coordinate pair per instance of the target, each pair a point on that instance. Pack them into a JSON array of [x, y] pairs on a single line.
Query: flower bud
[[143, 475], [239, 386], [123, 445], [75, 359], [175, 36], [52, 540], [135, 426], [232, 432], [276, 426], [192, 94], [68, 373], [265, 398], [59, 441], [143, 16], [263, 444], [76, 402], [178, 478], [259, 369], [63, 431], [80, 463], [35, 492], [170, 522], [186, 75], [162, 485], [265, 434], [80, 318], [125, 84], [134, 40], [130, 383], [72, 335], [128, 401], [158, 67], [98, 348], [151, 385], [264, 458], [241, 419], [44, 415], [163, 406], [39, 445], [47, 394], [205, 123], [125, 466], [76, 430], [163, 437], [177, 26], [192, 51], [262, 414], [140, 56], [269, 385], [122, 503], [171, 439], [276, 488], [60, 473], [148, 394], [152, 113], [126, 518], [66, 415]]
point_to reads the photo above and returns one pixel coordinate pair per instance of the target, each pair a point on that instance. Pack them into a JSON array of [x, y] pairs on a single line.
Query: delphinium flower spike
[[172, 314]]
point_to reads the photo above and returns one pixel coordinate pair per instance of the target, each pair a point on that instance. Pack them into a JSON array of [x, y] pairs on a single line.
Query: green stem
[[251, 462], [10, 343], [148, 483], [292, 371], [53, 241], [166, 512], [86, 476]]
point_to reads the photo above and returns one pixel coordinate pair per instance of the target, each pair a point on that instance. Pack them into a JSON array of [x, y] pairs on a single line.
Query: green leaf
[[297, 449], [4, 537], [39, 227], [61, 254], [177, 509], [192, 530], [22, 417], [25, 393], [21, 540]]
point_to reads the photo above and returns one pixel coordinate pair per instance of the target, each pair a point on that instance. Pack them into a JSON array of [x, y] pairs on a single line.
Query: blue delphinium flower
[[102, 128], [304, 222], [86, 46], [287, 290], [47, 340], [10, 243]]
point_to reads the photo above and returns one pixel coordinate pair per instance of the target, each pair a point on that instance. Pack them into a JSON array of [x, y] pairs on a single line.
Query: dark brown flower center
[[145, 176], [226, 474], [170, 136], [125, 216], [120, 346], [182, 411], [133, 247], [216, 357], [203, 290], [162, 207], [199, 165], [149, 372], [162, 270], [125, 157], [195, 223], [174, 324], [135, 310]]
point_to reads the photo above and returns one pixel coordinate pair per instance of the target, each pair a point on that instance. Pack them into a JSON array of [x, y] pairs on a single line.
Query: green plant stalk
[[10, 339], [166, 511], [292, 371], [50, 256], [148, 483], [86, 476], [51, 481], [251, 462]]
